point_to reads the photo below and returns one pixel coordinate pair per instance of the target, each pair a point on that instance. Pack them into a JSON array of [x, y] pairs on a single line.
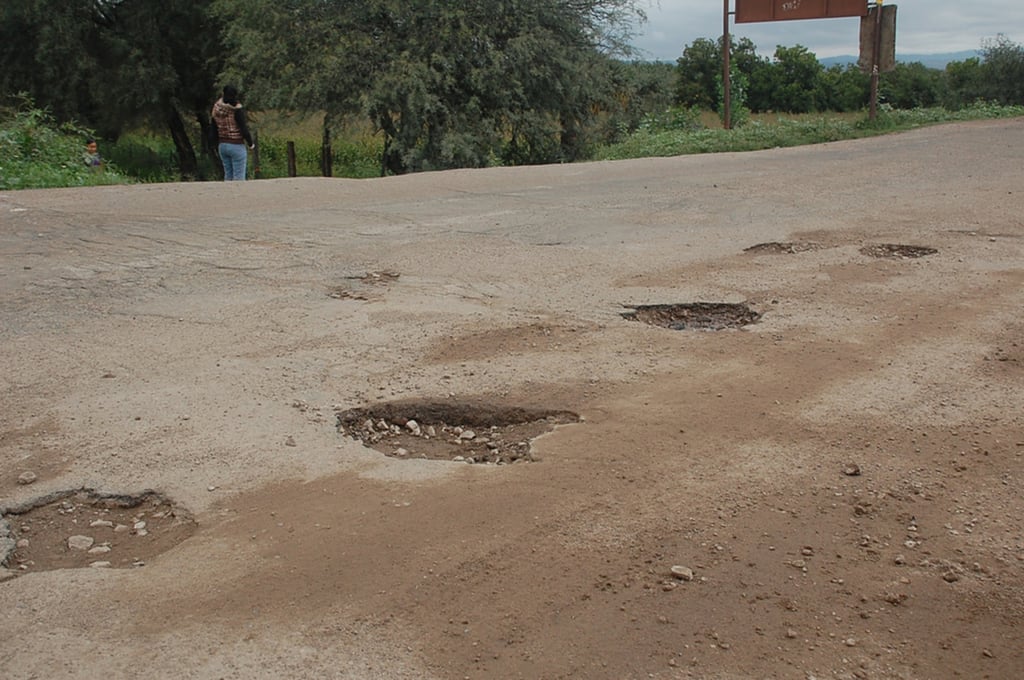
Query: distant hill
[[929, 60]]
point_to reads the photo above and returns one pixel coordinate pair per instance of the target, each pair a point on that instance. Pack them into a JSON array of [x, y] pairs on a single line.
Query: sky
[[922, 27]]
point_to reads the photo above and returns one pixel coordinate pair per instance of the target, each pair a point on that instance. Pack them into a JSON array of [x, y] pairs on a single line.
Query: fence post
[[326, 156], [291, 160]]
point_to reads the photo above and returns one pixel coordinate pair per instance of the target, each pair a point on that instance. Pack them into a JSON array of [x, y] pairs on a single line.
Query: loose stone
[[80, 542]]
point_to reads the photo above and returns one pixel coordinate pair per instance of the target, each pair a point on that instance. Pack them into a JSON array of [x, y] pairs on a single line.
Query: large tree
[[699, 71], [110, 64], [447, 84], [49, 52]]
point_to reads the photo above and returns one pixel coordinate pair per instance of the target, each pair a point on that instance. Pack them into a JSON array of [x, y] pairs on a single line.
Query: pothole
[[783, 247], [895, 250], [359, 288], [459, 430], [85, 528], [711, 316]]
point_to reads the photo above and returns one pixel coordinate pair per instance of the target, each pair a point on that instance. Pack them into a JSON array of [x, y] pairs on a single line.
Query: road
[[837, 484]]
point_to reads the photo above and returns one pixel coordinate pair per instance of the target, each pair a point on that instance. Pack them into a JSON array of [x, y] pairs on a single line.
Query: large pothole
[[361, 287], [787, 248], [712, 316], [86, 528], [468, 431], [897, 251]]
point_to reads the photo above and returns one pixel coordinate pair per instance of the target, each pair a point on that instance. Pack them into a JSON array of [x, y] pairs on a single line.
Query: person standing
[[232, 134]]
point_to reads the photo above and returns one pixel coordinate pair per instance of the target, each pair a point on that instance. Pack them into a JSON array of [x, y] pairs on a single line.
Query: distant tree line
[[467, 84], [794, 81]]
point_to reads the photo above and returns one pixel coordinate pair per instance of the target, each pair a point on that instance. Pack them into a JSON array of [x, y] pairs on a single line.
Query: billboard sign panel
[[886, 41], [750, 11]]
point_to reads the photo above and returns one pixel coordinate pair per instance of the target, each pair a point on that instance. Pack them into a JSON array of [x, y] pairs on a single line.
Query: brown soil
[[833, 491]]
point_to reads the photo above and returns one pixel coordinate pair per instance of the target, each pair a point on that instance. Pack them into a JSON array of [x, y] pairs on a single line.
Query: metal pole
[[876, 49], [726, 76]]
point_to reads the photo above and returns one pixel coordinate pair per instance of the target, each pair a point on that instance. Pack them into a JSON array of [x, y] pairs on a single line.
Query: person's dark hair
[[230, 94]]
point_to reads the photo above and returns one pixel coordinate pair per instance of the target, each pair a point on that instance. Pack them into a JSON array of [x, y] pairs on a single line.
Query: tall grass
[[355, 151]]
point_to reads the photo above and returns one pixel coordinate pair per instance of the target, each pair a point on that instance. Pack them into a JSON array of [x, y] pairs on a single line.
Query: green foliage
[[844, 89], [910, 86], [998, 76], [36, 152], [889, 119], [114, 65], [739, 113], [790, 132], [674, 119], [795, 79], [964, 83], [698, 69], [1004, 70], [448, 84]]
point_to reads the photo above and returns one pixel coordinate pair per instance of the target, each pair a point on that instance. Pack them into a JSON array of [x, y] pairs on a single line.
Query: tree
[[1003, 70], [161, 59], [794, 78], [698, 68], [700, 72], [910, 86], [48, 51], [639, 88], [843, 88], [115, 63], [447, 84], [964, 83]]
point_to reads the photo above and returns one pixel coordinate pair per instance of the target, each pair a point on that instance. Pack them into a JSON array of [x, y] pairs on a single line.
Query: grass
[[768, 132], [355, 150], [36, 153]]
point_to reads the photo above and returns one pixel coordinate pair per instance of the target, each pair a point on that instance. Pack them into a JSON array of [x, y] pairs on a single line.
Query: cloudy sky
[[922, 27]]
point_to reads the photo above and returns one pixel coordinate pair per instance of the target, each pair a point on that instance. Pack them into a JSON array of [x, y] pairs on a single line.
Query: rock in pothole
[[712, 316], [897, 251], [82, 527], [460, 430]]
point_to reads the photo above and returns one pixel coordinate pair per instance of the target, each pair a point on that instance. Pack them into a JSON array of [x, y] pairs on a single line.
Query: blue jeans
[[234, 157]]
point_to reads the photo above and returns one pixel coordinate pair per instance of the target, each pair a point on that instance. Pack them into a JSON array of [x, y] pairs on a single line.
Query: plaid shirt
[[230, 122]]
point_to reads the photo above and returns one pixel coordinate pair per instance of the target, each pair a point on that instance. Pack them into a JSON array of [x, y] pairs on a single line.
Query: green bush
[[37, 153]]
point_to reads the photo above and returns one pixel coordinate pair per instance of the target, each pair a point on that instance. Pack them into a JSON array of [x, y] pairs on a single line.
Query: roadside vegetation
[[392, 88], [36, 152]]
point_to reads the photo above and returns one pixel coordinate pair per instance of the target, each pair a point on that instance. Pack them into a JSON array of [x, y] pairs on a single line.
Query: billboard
[[886, 41], [749, 11]]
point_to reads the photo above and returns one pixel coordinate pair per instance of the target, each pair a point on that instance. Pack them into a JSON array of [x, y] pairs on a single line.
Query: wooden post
[[726, 71], [326, 157], [291, 160]]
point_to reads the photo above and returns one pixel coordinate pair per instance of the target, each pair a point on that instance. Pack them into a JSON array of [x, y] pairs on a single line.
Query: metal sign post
[[726, 71], [876, 48], [750, 11]]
